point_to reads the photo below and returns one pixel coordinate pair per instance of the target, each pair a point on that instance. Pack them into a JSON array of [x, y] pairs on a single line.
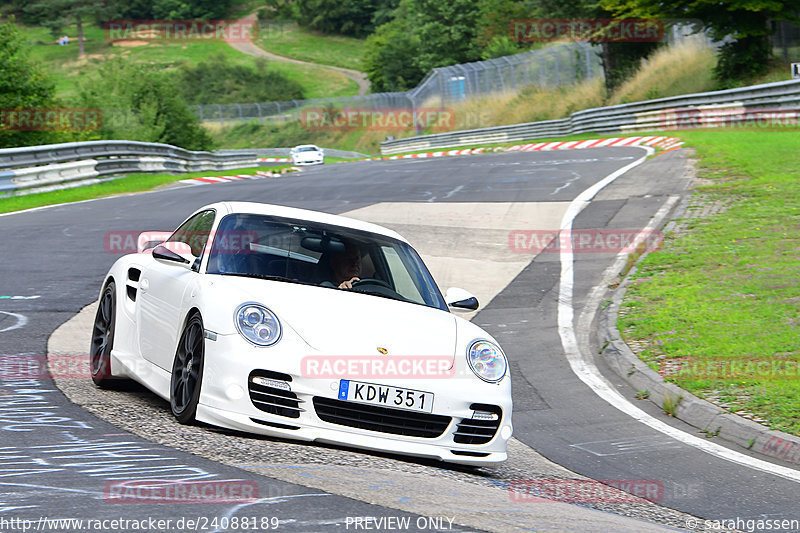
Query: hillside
[[62, 61]]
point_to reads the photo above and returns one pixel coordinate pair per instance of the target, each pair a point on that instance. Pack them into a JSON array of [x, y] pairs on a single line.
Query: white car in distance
[[307, 154]]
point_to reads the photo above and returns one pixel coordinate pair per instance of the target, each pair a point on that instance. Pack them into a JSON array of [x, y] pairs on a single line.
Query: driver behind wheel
[[346, 266]]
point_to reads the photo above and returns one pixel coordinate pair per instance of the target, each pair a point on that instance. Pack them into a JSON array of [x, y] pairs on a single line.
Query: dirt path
[[251, 49]]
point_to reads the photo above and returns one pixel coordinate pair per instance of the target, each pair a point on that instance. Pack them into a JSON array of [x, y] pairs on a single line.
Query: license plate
[[396, 397]]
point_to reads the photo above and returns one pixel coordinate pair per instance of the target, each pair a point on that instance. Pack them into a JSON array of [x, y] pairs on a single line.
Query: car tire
[[103, 337], [187, 371]]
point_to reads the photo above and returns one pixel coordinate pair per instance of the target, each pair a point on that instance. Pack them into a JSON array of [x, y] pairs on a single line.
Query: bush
[[23, 85], [743, 60], [217, 81], [142, 102]]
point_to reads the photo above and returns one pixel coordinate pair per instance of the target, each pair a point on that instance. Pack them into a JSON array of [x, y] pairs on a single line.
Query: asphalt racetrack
[[58, 457]]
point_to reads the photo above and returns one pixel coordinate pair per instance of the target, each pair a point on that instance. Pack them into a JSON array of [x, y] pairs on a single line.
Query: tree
[[23, 85], [422, 35], [175, 9], [142, 102], [345, 17], [746, 22], [620, 59], [448, 31], [391, 59]]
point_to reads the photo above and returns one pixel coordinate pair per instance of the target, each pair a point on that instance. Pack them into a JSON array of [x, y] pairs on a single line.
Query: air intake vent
[[382, 419], [270, 392], [482, 427]]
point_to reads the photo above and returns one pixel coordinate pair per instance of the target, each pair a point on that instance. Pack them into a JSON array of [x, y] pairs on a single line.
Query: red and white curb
[[275, 159], [240, 177], [665, 143]]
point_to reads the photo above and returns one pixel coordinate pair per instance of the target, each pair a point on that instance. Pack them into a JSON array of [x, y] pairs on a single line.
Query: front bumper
[[304, 162], [226, 401]]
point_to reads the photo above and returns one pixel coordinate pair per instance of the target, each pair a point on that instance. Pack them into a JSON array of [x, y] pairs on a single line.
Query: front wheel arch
[[103, 332], [186, 377]]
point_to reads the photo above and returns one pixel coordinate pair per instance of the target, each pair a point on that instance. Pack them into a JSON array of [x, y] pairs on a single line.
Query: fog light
[[234, 392]]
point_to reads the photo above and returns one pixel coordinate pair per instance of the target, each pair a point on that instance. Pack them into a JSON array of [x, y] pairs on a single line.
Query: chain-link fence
[[786, 41], [556, 66]]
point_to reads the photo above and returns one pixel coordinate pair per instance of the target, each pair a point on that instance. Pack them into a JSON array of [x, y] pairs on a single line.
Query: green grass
[[66, 69], [727, 291], [287, 39], [128, 184]]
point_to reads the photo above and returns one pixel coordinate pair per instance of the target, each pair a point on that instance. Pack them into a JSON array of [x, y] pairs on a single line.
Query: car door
[[163, 288]]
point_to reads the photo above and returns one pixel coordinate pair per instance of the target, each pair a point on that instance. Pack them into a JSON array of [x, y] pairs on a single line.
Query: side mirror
[[460, 300], [151, 239], [178, 252]]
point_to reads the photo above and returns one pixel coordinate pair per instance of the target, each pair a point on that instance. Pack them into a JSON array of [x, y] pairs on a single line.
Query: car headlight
[[487, 361], [258, 324]]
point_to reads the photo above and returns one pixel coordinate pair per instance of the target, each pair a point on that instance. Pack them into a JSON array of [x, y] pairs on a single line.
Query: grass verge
[[287, 39], [128, 184], [717, 308]]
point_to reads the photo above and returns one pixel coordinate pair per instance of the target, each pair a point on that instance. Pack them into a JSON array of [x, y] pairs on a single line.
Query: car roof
[[307, 146], [258, 208]]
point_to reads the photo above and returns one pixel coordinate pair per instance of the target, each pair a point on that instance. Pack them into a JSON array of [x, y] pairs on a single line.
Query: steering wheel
[[371, 281]]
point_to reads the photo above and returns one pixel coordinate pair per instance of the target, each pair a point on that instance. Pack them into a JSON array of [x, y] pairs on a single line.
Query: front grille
[[273, 400], [477, 431], [382, 419]]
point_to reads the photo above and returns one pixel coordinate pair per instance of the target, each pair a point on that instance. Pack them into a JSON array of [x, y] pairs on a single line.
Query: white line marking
[[584, 367], [21, 321], [451, 193]]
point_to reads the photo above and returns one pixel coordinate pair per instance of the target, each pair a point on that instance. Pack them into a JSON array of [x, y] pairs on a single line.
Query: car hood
[[342, 322]]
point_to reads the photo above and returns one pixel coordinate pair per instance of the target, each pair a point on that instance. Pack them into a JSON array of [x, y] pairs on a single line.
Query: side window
[[195, 232], [403, 283]]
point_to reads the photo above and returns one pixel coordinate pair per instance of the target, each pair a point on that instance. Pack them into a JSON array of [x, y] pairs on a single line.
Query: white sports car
[[300, 324], [307, 154]]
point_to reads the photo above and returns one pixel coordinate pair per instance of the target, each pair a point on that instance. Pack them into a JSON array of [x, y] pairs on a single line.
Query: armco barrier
[[284, 152], [37, 166], [695, 110]]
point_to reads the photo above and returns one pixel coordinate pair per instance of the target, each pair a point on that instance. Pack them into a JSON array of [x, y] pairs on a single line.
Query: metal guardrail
[[284, 152], [717, 108], [37, 166]]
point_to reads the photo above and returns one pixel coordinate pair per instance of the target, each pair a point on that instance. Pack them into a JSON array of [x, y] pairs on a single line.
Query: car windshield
[[308, 149], [295, 251]]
